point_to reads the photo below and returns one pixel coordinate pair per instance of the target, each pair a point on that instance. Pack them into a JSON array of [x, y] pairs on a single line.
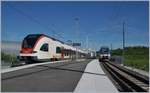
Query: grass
[[136, 57], [137, 61], [9, 58]]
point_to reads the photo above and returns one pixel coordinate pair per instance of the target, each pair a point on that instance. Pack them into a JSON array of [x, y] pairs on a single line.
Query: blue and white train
[[104, 54]]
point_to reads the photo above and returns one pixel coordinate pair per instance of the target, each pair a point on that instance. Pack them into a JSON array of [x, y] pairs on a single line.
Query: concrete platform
[[29, 65], [94, 80]]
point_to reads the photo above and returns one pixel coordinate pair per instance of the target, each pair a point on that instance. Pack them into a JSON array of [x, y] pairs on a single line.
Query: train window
[[104, 50], [44, 47], [30, 41], [58, 50]]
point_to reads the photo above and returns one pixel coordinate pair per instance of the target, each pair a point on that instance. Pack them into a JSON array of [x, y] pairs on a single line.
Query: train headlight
[[34, 51], [108, 55], [101, 56]]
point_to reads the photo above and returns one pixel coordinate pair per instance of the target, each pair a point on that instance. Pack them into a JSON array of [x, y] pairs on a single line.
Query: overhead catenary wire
[[35, 20]]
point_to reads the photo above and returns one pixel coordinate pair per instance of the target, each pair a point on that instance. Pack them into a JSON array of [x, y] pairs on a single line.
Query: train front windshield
[[30, 41], [104, 51]]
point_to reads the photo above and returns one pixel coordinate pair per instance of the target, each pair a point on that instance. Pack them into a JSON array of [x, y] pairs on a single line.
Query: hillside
[[137, 57]]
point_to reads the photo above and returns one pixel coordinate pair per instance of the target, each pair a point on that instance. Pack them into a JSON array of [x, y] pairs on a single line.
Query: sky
[[99, 23]]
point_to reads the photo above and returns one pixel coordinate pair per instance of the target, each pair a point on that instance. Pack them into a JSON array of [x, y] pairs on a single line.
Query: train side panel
[[43, 49]]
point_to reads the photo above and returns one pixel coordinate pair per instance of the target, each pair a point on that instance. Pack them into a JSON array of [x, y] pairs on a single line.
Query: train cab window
[[58, 50], [30, 41], [44, 47]]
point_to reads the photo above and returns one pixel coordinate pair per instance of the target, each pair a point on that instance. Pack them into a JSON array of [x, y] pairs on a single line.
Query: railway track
[[126, 80]]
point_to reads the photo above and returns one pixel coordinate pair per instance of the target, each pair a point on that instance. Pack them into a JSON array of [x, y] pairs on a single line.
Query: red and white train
[[39, 47]]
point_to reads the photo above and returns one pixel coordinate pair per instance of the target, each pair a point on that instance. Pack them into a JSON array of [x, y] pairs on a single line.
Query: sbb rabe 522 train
[[104, 54], [39, 47]]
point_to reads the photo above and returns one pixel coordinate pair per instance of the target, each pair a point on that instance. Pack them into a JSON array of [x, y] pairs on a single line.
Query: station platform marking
[[96, 82], [29, 65]]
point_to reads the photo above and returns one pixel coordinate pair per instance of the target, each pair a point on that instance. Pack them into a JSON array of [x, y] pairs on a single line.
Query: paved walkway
[[50, 77], [28, 66], [94, 80]]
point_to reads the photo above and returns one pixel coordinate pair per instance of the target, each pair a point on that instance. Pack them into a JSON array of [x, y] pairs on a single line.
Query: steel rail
[[127, 81]]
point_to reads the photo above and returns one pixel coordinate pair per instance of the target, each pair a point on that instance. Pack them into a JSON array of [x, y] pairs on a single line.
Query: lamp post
[[77, 28], [123, 41]]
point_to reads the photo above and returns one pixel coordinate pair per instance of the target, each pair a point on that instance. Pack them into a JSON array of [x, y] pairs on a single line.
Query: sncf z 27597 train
[[39, 47]]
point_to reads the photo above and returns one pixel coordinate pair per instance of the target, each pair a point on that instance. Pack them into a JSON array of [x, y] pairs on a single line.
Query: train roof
[[38, 35], [71, 47], [104, 47]]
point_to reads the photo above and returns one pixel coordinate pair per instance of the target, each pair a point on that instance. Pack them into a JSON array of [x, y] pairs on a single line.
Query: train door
[[62, 53], [44, 52]]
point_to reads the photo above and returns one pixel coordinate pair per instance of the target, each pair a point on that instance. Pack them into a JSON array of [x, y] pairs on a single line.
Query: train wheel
[[100, 60], [56, 59], [28, 62]]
